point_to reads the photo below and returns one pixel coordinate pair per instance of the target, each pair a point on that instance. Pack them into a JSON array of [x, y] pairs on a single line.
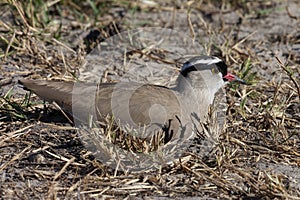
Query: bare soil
[[258, 155]]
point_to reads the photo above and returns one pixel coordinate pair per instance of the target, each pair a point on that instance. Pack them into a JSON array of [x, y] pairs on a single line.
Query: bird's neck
[[197, 91]]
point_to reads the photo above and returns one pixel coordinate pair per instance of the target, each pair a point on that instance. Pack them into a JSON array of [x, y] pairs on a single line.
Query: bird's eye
[[214, 70]]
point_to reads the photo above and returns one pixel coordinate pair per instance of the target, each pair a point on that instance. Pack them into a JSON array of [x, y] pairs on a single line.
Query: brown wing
[[130, 103], [137, 105]]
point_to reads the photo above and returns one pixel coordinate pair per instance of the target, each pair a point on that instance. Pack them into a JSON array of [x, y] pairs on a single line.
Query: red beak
[[229, 77]]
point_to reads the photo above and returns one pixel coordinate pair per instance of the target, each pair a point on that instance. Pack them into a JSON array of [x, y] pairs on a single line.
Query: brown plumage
[[132, 104], [173, 110]]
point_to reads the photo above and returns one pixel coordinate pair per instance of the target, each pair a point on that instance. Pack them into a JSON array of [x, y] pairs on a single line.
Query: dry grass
[[258, 154]]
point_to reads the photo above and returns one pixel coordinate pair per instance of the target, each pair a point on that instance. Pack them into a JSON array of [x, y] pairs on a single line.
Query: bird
[[146, 108], [139, 104]]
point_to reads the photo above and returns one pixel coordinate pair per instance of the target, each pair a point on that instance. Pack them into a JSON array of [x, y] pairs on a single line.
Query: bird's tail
[[51, 91]]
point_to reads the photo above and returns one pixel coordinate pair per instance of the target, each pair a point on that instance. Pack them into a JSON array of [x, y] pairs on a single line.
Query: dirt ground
[[258, 154]]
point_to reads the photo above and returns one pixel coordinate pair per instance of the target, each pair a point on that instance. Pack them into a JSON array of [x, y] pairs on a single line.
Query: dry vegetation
[[258, 155]]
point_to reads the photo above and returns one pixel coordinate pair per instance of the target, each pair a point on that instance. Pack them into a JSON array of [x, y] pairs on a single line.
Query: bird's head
[[211, 67]]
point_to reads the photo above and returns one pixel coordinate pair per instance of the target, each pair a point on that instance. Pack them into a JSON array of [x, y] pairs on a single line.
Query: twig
[[292, 16], [192, 32], [235, 46], [9, 45], [289, 74], [70, 161], [16, 157]]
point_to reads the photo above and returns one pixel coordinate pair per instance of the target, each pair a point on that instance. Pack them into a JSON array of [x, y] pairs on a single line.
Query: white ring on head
[[211, 60]]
